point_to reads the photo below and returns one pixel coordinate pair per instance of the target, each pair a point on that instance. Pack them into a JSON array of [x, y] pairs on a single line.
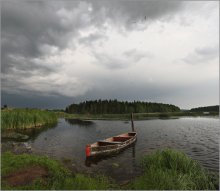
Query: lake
[[198, 137]]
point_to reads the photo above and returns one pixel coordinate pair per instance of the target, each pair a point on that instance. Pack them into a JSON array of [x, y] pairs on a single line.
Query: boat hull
[[111, 145]]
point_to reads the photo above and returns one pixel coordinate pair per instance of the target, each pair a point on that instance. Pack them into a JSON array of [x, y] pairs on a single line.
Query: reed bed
[[26, 118]]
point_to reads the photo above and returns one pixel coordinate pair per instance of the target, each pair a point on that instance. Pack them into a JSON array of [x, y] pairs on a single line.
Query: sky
[[54, 53]]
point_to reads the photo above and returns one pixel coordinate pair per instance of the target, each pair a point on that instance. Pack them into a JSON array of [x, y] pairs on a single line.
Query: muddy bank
[[11, 135], [25, 176], [16, 147]]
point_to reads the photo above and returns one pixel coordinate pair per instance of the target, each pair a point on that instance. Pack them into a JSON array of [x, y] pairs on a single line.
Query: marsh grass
[[26, 118], [173, 170], [82, 182], [59, 178]]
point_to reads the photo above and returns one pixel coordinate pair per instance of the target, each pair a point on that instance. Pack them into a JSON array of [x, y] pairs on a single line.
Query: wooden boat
[[112, 144]]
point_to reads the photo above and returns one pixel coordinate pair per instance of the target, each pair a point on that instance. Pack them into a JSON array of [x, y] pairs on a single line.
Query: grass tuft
[[172, 170]]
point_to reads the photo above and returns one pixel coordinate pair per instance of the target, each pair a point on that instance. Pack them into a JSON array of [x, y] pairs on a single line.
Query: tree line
[[119, 107], [214, 108]]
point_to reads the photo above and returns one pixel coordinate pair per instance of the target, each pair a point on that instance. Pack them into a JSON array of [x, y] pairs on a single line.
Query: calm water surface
[[197, 137]]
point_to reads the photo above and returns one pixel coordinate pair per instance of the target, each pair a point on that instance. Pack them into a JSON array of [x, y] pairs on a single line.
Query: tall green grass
[[26, 118], [59, 178], [173, 170]]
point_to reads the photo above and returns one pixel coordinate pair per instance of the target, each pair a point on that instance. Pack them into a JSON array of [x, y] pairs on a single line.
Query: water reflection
[[79, 122], [32, 133], [133, 151]]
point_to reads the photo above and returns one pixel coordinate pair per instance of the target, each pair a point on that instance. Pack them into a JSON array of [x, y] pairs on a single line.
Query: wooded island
[[120, 107]]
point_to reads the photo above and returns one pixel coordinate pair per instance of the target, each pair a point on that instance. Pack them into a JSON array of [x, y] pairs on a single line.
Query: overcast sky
[[54, 53]]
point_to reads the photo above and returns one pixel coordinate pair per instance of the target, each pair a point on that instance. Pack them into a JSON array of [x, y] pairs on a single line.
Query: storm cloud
[[69, 51]]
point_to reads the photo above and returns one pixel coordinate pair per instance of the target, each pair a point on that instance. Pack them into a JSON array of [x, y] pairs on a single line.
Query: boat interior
[[115, 140]]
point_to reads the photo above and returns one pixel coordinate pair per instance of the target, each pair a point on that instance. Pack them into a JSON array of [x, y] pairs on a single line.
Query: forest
[[214, 108], [118, 107]]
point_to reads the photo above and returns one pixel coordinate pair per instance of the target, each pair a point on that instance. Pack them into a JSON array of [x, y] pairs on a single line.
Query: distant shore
[[14, 119], [137, 116]]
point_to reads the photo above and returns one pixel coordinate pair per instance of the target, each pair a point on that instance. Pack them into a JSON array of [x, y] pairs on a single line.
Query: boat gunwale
[[131, 137], [99, 150]]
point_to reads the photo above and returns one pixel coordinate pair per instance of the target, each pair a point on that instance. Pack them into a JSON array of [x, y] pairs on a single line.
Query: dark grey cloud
[[120, 61], [111, 62], [28, 25], [25, 66], [181, 96], [137, 55], [202, 55], [210, 51], [35, 101], [92, 38], [136, 11], [25, 27], [205, 93], [47, 48]]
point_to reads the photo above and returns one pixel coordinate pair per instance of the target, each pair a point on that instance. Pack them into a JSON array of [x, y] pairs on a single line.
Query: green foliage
[[26, 118], [59, 178], [163, 170], [170, 170], [214, 108], [82, 182], [12, 163], [120, 107]]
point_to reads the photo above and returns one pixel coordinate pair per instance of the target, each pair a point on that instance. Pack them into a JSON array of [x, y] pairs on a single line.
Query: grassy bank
[[168, 169], [49, 174], [137, 116], [26, 118], [173, 170]]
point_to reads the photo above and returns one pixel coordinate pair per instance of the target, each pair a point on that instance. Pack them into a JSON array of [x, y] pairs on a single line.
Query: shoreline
[[137, 116], [155, 165]]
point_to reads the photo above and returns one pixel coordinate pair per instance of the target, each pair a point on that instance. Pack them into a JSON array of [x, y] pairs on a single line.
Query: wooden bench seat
[[122, 138], [109, 142]]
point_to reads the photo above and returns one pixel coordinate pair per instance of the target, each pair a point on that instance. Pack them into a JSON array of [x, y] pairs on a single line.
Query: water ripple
[[197, 137]]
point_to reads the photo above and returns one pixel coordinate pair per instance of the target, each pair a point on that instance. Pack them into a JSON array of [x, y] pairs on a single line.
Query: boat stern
[[88, 150]]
